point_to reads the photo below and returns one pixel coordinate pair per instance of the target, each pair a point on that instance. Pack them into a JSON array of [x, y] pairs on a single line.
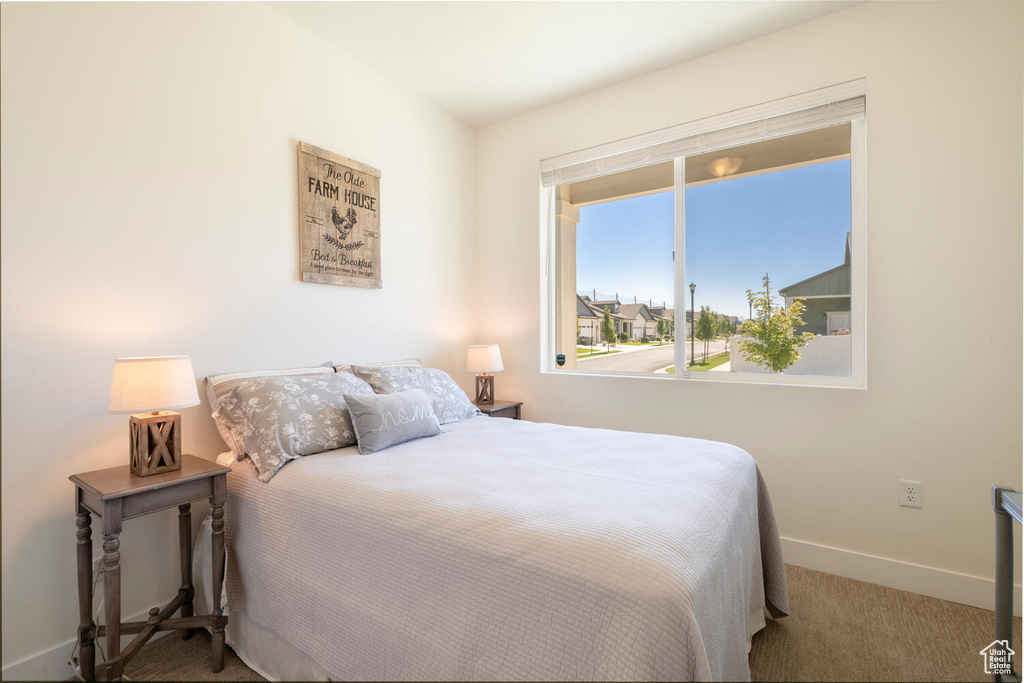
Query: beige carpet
[[845, 630], [839, 630]]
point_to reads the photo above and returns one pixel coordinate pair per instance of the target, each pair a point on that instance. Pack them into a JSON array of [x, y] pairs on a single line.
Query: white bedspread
[[507, 549]]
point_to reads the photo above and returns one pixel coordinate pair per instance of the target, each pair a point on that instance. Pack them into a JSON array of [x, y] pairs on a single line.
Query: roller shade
[[817, 109]]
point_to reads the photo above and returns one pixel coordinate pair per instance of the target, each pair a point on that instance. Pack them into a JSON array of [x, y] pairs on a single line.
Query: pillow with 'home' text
[[384, 420]]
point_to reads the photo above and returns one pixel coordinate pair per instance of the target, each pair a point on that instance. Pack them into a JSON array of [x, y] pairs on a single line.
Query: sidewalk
[[724, 367], [625, 349]]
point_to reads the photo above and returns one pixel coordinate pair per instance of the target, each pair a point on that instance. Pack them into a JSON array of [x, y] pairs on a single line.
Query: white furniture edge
[[965, 589], [52, 664]]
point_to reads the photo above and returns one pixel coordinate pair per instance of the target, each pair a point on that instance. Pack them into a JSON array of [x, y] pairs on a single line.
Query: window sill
[[814, 381]]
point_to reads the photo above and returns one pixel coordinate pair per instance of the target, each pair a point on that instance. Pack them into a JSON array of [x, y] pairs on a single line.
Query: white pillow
[[219, 386]]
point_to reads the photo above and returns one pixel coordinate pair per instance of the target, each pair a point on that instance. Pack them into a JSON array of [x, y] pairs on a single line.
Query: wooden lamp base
[[155, 443], [485, 388]]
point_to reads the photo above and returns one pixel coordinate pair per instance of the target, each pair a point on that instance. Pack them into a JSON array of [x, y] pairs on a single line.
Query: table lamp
[[484, 359], [153, 388]]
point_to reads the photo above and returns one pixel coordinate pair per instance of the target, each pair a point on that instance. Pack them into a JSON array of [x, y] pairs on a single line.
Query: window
[[624, 272], [727, 249]]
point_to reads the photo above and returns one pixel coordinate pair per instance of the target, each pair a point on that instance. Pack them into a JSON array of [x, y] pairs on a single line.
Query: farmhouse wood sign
[[339, 219]]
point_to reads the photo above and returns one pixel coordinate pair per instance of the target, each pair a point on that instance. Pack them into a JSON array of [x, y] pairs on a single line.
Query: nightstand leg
[[112, 603], [86, 627], [185, 552], [217, 526]]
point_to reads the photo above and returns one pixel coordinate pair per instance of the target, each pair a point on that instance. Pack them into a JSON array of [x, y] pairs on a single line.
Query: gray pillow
[[218, 386], [449, 401], [277, 419], [384, 420]]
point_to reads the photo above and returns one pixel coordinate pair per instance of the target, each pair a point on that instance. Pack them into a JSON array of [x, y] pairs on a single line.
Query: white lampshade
[[484, 358], [143, 385]]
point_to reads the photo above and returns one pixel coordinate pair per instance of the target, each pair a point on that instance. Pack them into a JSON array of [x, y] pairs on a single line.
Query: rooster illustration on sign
[[343, 224]]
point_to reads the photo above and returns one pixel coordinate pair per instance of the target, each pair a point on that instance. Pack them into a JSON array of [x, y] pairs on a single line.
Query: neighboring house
[[668, 314], [589, 321], [641, 321], [688, 322], [635, 320], [621, 322], [827, 297], [638, 320]]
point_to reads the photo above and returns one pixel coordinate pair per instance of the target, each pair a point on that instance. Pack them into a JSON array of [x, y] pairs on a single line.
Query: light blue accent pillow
[[384, 420]]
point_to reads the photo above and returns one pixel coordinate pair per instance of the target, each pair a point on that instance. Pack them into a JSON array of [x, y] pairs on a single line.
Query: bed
[[503, 550]]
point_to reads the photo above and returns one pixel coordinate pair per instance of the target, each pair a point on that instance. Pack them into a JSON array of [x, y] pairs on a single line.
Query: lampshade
[[484, 358], [143, 385]]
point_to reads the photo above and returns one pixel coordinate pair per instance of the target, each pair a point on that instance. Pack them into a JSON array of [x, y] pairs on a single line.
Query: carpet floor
[[845, 630], [839, 630]]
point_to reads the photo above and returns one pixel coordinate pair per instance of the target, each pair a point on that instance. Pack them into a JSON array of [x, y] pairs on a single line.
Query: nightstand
[[115, 494], [501, 408]]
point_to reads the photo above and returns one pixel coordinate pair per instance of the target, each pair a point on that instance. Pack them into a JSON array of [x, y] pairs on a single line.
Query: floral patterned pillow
[[450, 402], [277, 419]]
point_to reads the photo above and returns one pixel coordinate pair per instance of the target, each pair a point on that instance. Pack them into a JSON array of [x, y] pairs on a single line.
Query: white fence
[[823, 355]]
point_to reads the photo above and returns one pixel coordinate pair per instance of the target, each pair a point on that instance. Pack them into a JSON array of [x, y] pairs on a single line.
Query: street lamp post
[[693, 321]]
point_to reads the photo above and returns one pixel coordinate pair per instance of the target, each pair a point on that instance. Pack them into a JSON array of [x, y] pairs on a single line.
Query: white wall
[[943, 405], [150, 207]]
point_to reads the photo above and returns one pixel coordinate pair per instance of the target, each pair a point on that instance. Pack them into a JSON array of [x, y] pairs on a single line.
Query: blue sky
[[790, 223]]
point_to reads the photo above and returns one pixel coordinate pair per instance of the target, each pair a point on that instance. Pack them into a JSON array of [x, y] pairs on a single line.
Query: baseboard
[[937, 583], [52, 664]]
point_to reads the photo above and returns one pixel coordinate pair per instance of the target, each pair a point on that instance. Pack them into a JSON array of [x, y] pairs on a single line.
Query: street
[[646, 359]]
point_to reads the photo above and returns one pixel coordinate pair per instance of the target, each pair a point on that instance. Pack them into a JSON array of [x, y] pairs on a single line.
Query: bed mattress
[[505, 550]]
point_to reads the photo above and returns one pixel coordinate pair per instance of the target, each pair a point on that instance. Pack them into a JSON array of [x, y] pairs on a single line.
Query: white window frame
[[587, 161]]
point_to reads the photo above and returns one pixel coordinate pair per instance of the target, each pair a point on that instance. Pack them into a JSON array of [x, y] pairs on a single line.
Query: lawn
[[587, 352], [713, 362]]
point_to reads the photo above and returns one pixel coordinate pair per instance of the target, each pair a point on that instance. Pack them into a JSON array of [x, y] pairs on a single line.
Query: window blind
[[816, 109]]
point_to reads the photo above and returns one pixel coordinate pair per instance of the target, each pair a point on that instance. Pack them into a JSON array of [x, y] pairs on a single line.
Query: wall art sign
[[339, 219]]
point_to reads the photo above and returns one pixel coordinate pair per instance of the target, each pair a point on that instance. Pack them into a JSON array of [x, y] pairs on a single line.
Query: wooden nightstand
[[501, 408], [116, 494]]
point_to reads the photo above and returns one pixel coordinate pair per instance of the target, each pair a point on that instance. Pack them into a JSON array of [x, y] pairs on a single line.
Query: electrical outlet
[[910, 493]]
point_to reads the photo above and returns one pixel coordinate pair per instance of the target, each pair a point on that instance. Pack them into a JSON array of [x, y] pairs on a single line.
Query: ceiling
[[486, 61]]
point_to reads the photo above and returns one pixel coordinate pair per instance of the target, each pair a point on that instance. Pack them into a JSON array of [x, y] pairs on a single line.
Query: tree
[[722, 326], [661, 327], [773, 341], [706, 325], [725, 327], [607, 327], [579, 330], [728, 331]]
